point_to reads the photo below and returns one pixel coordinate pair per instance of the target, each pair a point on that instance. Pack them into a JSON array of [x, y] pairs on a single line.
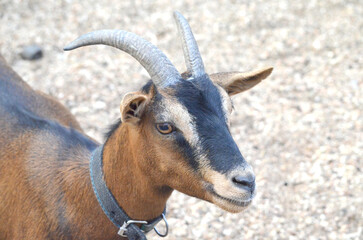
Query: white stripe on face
[[226, 103], [179, 115]]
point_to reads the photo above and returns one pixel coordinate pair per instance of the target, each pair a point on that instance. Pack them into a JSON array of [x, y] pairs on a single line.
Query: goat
[[174, 133]]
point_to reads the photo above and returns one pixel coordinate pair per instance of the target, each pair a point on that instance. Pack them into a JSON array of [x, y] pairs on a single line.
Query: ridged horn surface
[[159, 67], [192, 56]]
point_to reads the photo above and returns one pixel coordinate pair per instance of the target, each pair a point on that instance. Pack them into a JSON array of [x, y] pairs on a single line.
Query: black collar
[[110, 207]]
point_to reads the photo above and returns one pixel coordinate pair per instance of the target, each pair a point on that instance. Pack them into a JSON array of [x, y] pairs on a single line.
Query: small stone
[[227, 232], [31, 52], [317, 44], [99, 105]]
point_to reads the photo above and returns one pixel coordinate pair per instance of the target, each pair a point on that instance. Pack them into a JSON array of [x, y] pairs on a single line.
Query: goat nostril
[[245, 181]]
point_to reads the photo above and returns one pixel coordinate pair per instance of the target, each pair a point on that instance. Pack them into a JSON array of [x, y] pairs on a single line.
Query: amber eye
[[164, 128]]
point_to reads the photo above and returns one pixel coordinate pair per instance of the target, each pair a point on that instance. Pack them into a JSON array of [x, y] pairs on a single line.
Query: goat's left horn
[[193, 60], [159, 67]]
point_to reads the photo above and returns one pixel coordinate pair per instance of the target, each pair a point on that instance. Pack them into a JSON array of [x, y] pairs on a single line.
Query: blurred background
[[301, 129]]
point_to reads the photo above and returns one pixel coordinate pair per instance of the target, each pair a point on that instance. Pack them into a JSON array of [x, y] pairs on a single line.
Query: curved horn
[[159, 67], [193, 60]]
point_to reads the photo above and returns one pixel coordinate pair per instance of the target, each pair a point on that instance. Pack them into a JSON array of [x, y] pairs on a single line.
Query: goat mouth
[[240, 203]]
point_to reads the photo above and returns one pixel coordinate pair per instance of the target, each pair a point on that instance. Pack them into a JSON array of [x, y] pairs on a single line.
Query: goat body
[[45, 191]]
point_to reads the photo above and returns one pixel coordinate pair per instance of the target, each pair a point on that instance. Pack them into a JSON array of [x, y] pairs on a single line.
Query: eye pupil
[[164, 128]]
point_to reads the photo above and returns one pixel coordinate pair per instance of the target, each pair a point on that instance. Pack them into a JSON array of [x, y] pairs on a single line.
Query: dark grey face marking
[[203, 102]]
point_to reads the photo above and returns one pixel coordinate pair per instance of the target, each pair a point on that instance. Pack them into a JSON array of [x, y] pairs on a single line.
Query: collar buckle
[[123, 229], [166, 227]]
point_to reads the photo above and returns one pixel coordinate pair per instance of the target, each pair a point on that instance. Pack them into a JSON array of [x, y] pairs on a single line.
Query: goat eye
[[164, 128]]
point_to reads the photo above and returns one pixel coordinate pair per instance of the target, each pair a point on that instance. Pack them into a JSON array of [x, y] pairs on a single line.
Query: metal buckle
[[123, 228], [166, 228]]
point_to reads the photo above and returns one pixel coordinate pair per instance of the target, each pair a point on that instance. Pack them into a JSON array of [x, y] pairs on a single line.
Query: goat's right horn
[[159, 67], [192, 56]]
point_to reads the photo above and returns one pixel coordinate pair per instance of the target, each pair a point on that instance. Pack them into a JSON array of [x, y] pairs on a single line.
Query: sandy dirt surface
[[301, 130]]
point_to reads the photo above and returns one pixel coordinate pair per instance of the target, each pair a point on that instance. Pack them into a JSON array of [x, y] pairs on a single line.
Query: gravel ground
[[302, 129]]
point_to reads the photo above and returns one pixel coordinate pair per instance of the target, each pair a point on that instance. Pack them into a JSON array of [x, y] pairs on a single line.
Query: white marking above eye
[[227, 106], [175, 112]]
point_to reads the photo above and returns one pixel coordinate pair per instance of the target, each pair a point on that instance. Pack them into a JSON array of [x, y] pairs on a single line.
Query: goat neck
[[137, 192]]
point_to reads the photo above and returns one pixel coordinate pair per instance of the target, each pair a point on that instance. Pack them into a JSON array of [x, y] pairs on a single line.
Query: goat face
[[181, 123], [184, 130]]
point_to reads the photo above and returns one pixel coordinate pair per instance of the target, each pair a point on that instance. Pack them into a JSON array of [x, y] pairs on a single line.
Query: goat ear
[[132, 106], [237, 82]]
